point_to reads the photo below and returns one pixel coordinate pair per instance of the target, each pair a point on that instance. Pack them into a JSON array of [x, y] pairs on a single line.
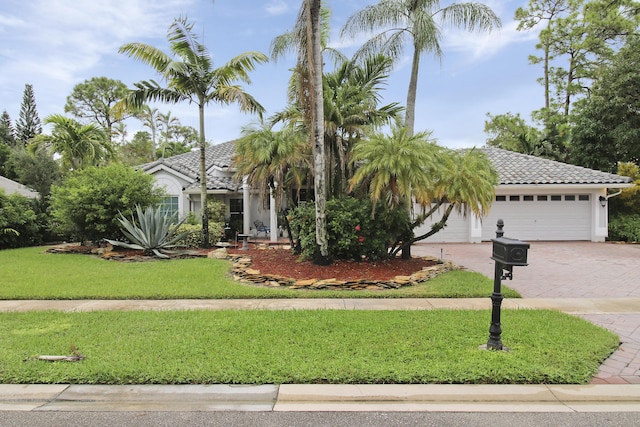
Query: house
[[538, 199], [10, 187]]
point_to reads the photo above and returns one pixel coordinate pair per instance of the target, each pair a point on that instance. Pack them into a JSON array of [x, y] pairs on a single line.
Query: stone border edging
[[242, 271]]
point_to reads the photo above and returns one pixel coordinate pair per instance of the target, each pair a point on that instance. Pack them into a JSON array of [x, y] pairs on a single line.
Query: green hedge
[[625, 228], [194, 238], [19, 222]]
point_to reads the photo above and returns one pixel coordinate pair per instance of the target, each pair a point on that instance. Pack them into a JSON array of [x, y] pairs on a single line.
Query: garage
[[541, 216]]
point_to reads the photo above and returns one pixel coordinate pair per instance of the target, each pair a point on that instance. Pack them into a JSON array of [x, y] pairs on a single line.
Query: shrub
[[86, 205], [193, 238], [154, 232], [351, 231], [19, 222], [625, 228], [216, 210]]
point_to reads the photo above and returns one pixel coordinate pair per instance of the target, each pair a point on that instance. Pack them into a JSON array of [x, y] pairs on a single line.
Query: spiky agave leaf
[[153, 232]]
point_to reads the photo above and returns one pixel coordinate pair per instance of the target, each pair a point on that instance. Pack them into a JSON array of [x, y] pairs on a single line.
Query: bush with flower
[[351, 231]]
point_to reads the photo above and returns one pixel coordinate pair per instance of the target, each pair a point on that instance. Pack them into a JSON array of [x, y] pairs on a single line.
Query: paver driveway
[[556, 269], [571, 270]]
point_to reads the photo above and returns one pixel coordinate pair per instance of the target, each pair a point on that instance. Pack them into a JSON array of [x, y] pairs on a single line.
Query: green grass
[[30, 273], [323, 346]]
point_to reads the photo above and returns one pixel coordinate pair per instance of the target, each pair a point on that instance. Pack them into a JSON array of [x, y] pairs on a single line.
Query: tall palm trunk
[[203, 180], [315, 69], [412, 92]]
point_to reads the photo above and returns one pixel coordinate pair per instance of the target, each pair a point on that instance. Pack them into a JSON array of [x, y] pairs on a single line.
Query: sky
[[57, 44]]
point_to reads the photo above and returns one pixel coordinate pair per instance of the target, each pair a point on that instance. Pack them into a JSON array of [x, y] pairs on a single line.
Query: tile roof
[[219, 156], [517, 168], [513, 168]]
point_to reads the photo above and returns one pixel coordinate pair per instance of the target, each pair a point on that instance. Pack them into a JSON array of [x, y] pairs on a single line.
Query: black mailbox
[[508, 251]]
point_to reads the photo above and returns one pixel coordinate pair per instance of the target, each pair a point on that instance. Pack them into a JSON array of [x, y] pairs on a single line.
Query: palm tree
[[168, 124], [79, 145], [351, 98], [306, 40], [151, 118], [467, 184], [272, 161], [421, 22], [400, 168], [314, 35], [120, 130], [190, 76]]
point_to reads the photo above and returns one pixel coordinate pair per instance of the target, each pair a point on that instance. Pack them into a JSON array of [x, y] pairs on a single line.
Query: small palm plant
[[9, 231], [154, 232]]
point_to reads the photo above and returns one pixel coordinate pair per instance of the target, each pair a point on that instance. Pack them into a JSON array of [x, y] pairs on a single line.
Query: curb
[[460, 398], [311, 397]]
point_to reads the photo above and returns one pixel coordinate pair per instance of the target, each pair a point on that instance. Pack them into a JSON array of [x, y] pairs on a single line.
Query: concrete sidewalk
[[579, 306], [296, 398]]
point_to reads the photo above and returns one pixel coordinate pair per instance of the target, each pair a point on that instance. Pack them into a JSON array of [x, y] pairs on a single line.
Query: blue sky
[[56, 44]]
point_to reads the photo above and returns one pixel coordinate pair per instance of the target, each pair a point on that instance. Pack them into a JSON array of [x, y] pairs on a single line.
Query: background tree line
[[589, 56]]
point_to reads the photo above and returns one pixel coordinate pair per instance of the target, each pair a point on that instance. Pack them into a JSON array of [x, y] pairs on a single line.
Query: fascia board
[[171, 171]]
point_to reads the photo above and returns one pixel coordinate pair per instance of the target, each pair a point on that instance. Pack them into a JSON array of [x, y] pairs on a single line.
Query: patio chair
[[261, 228]]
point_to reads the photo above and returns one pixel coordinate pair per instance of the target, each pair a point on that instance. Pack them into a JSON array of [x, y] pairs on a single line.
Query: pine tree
[[28, 124], [7, 135]]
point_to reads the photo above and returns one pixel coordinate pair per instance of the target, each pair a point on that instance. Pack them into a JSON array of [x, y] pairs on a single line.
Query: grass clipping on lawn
[[320, 346]]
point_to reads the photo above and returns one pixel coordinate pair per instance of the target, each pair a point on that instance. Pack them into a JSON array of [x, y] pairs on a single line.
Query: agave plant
[[154, 232]]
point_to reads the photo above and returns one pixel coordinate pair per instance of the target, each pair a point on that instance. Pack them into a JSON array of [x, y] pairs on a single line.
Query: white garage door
[[540, 217]]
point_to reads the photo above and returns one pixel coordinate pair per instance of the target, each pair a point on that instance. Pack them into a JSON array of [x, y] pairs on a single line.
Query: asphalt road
[[319, 419]]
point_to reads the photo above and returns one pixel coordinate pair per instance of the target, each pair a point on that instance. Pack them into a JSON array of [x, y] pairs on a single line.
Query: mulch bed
[[282, 262]]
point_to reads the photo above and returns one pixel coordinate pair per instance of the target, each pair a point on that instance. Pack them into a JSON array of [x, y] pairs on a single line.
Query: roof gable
[[216, 156], [12, 187]]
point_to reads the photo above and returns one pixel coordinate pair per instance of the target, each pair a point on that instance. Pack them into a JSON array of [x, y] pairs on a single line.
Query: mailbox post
[[506, 253]]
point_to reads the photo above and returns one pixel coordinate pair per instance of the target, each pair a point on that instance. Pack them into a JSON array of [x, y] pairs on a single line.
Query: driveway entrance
[[556, 269]]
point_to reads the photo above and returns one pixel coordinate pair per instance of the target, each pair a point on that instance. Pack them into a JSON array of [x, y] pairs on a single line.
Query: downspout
[[607, 197]]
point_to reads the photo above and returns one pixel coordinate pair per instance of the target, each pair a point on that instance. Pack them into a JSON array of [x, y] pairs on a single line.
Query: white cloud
[[485, 45], [277, 7], [9, 21], [54, 44]]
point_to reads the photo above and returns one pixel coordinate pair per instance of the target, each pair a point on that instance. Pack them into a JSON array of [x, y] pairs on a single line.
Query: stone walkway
[[568, 270]]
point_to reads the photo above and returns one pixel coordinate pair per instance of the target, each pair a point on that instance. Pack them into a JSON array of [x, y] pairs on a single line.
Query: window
[[501, 198], [583, 197], [236, 216], [305, 195], [570, 198], [236, 206], [169, 205], [543, 198], [527, 198], [514, 198], [556, 198]]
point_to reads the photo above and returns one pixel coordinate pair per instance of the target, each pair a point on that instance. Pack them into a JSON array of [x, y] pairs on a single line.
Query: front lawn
[[31, 273], [313, 346]]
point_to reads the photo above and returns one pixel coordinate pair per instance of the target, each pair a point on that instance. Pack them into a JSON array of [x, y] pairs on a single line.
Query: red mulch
[[283, 263]]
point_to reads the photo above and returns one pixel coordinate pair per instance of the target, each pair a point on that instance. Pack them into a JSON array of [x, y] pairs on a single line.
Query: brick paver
[[571, 270]]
